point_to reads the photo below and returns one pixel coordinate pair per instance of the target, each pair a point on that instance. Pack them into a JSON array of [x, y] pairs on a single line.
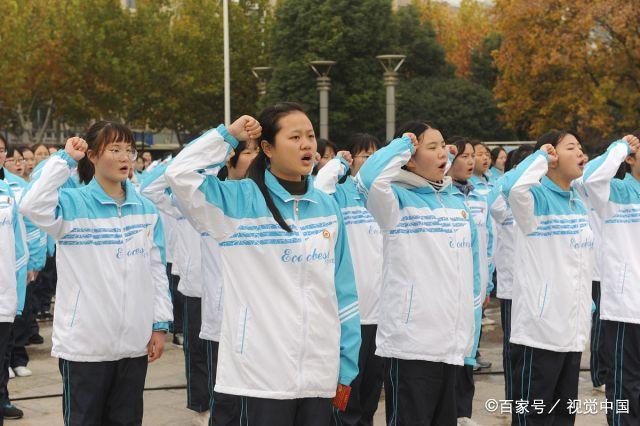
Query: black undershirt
[[294, 188]]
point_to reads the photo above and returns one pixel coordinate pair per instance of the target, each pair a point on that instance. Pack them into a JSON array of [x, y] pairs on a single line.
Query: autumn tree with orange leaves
[[569, 64], [460, 29]]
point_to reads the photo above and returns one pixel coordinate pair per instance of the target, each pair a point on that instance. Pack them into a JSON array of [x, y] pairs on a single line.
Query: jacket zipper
[[305, 313], [124, 256], [458, 261]]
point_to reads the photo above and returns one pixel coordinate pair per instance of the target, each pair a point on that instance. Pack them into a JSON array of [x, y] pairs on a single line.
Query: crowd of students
[[301, 279]]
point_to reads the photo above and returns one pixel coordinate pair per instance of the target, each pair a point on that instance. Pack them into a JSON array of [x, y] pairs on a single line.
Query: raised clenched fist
[[76, 147]]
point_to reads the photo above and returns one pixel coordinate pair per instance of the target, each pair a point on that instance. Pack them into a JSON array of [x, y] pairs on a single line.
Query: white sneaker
[[466, 421], [599, 388], [201, 419], [12, 374], [22, 371]]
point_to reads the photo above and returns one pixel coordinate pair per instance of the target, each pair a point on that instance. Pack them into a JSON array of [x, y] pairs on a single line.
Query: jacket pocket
[[73, 313], [243, 328], [408, 305], [622, 278], [542, 299]]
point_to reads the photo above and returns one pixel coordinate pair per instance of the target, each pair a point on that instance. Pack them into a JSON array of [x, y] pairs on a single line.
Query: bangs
[[115, 132]]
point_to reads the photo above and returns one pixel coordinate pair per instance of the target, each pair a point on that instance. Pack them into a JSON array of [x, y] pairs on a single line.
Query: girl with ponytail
[[112, 305], [290, 329]]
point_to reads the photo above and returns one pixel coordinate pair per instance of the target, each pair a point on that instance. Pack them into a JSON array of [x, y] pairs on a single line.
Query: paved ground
[[166, 407]]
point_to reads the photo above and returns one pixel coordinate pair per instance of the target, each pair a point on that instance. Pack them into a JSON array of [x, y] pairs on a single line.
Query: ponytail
[[86, 171], [256, 174]]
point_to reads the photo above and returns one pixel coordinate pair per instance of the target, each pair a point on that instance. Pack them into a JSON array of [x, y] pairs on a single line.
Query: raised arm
[[329, 176], [375, 177], [517, 184], [42, 202], [209, 202], [156, 189], [598, 180]]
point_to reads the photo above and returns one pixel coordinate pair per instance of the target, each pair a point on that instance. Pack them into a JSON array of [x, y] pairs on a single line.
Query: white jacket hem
[[447, 359], [620, 319], [538, 345], [7, 318], [276, 394], [96, 358]]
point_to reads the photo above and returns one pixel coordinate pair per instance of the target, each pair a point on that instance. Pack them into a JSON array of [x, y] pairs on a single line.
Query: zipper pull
[[295, 205]]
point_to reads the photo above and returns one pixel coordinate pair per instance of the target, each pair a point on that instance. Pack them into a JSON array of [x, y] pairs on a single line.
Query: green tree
[[30, 65], [351, 33], [455, 106], [180, 62], [417, 40], [483, 66]]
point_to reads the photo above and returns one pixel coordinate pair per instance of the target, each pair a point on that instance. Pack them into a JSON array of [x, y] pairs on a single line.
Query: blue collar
[[98, 193], [632, 182], [277, 189], [554, 187]]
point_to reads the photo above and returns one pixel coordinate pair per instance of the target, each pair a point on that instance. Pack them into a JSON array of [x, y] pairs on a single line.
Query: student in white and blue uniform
[[430, 305], [13, 280], [553, 263], [291, 329], [481, 179], [112, 300], [365, 242], [189, 263], [462, 166], [503, 256], [498, 163], [617, 204]]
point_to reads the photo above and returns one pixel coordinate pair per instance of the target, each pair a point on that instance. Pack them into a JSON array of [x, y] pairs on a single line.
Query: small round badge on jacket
[[464, 214], [326, 233]]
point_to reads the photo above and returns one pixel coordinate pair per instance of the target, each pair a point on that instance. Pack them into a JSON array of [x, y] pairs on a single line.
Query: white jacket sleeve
[[375, 177], [209, 202], [43, 202], [162, 306], [517, 185], [599, 185], [156, 189], [330, 174]]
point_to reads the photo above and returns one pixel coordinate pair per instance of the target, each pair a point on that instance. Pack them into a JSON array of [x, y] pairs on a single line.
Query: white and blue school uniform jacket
[[505, 237], [617, 203], [430, 305], [72, 182], [290, 326], [212, 289], [553, 260], [477, 205], [13, 261], [34, 237], [197, 255], [365, 239], [187, 256], [481, 184], [493, 174], [112, 286]]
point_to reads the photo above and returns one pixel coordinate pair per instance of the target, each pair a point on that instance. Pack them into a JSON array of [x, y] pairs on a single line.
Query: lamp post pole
[[323, 81], [391, 65]]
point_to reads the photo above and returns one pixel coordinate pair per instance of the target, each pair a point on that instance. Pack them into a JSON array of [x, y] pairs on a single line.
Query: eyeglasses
[[18, 161], [118, 154]]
